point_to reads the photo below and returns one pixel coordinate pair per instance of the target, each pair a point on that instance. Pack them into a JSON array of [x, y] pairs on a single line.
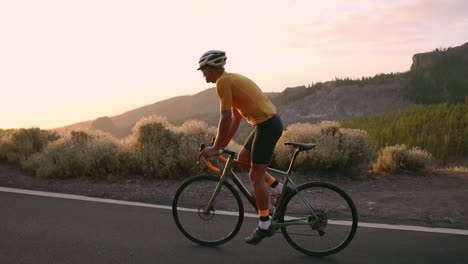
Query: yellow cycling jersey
[[241, 93]]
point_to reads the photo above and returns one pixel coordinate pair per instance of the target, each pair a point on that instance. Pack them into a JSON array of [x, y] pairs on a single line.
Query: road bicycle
[[315, 218]]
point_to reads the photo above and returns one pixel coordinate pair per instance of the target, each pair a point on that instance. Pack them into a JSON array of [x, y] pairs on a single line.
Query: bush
[[156, 149], [81, 154], [345, 150], [17, 145], [400, 159], [190, 135], [166, 151]]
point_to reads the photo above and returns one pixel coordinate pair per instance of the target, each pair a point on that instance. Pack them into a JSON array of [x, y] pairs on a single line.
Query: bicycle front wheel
[[207, 227], [321, 219]]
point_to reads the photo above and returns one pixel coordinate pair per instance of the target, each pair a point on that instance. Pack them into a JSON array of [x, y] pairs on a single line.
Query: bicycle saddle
[[300, 146]]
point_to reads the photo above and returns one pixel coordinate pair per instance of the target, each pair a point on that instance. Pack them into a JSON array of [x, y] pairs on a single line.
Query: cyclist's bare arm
[[224, 126], [225, 122], [236, 119], [228, 124]]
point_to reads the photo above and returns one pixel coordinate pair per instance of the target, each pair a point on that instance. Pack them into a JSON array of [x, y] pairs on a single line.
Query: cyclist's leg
[[265, 136], [264, 229], [257, 176], [245, 155]]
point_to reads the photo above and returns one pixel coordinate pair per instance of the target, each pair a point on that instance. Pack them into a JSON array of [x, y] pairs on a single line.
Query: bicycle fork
[[222, 179]]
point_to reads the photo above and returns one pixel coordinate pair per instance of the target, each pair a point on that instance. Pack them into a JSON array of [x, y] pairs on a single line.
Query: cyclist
[[241, 97]]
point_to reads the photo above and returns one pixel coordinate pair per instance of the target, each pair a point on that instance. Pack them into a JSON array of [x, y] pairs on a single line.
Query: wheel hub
[[206, 215], [320, 221]]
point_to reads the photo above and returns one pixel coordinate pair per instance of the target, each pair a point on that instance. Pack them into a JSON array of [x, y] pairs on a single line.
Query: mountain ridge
[[332, 100]]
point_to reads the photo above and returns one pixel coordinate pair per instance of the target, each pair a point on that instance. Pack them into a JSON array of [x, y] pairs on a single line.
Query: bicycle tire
[[207, 229], [331, 205]]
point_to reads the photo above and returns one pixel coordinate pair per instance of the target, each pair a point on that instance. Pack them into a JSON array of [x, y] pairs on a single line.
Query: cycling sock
[[264, 222], [278, 186], [271, 181]]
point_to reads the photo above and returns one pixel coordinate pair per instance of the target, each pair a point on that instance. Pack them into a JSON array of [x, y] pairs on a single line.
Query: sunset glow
[[63, 62]]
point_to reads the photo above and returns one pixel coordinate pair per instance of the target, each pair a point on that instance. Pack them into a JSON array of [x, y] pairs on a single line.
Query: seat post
[[293, 160]]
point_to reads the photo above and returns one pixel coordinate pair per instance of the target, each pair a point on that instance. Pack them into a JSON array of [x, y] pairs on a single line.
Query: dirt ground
[[437, 199]]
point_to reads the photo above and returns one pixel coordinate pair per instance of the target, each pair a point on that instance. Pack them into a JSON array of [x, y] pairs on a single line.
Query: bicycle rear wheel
[[326, 229], [207, 228]]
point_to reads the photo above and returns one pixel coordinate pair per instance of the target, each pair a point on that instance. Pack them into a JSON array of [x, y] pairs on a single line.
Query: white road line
[[111, 201], [416, 228], [81, 198]]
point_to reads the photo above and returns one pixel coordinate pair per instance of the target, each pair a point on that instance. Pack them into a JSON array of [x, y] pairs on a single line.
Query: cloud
[[437, 12], [378, 24]]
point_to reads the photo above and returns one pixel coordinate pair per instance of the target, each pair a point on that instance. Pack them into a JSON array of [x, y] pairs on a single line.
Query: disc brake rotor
[[319, 222]]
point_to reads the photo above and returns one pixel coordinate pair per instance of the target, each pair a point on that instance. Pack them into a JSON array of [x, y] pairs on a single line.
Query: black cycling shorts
[[262, 140]]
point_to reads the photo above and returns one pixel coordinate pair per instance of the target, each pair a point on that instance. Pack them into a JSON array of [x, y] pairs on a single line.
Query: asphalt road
[[36, 229]]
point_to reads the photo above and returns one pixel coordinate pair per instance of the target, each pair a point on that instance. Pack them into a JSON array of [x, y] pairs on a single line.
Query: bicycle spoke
[[332, 223], [204, 227]]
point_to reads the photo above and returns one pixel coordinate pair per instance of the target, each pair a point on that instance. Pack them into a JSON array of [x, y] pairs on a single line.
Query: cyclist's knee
[[257, 173], [244, 156]]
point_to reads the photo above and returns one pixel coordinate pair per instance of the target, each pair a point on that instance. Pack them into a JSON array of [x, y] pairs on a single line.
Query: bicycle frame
[[228, 173], [303, 212]]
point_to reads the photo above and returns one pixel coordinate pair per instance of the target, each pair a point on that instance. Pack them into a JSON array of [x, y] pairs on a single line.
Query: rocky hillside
[[331, 101], [428, 59], [334, 100]]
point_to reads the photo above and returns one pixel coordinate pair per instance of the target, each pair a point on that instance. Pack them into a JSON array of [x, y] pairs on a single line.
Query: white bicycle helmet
[[213, 59]]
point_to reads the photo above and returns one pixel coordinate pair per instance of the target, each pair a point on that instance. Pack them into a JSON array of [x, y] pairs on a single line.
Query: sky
[[63, 62]]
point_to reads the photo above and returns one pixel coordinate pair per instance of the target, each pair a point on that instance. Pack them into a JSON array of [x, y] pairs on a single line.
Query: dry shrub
[[156, 149], [346, 150], [18, 144], [190, 135], [166, 151], [400, 159], [456, 169], [81, 154]]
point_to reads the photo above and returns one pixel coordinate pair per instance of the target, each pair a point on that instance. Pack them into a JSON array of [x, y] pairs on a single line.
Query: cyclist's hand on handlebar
[[209, 152]]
